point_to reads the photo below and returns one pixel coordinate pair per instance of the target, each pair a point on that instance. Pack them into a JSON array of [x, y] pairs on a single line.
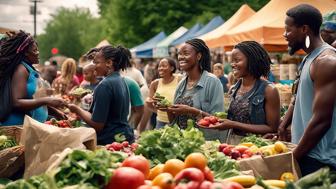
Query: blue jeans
[[160, 124]]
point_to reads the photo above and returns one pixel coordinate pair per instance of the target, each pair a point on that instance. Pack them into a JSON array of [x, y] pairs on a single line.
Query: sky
[[15, 14]]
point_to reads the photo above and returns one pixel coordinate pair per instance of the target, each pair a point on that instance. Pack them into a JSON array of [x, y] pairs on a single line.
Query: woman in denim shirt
[[199, 93], [255, 103]]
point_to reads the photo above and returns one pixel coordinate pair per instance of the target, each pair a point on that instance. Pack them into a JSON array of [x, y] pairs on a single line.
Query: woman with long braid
[[255, 103], [18, 81], [199, 93]]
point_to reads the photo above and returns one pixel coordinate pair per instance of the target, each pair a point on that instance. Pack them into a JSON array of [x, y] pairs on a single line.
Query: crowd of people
[[124, 99]]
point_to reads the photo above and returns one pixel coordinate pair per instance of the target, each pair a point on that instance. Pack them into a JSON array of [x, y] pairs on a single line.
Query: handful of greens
[[86, 167], [162, 101], [223, 166], [6, 142], [169, 142], [258, 141]]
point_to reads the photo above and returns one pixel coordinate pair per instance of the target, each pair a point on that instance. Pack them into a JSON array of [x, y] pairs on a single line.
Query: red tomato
[[204, 122], [138, 162], [205, 185], [227, 150], [222, 146], [241, 149], [213, 119], [126, 177], [208, 175], [190, 174], [248, 152], [207, 118]]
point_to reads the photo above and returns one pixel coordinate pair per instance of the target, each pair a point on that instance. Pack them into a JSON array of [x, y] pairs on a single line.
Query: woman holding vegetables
[[165, 87], [255, 103], [110, 106], [199, 93]]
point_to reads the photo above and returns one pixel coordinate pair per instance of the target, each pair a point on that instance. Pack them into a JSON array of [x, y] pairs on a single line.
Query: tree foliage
[[72, 31], [134, 21], [130, 22]]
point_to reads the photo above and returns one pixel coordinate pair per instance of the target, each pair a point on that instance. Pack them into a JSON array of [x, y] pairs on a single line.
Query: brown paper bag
[[271, 167], [44, 142]]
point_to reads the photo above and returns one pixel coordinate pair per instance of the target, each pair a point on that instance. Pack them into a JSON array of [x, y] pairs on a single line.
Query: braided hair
[[200, 47], [119, 55], [258, 60], [13, 49]]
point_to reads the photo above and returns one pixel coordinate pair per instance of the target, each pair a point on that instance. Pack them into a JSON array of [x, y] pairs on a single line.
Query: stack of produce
[[170, 142], [122, 147], [64, 123]]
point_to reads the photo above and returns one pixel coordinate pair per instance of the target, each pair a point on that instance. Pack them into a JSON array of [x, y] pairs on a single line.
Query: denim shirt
[[256, 99], [209, 96]]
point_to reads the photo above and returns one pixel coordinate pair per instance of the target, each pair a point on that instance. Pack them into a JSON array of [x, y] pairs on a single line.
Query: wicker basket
[[11, 159]]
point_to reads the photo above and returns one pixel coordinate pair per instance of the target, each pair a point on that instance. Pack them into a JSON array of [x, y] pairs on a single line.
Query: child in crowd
[[218, 70], [90, 80]]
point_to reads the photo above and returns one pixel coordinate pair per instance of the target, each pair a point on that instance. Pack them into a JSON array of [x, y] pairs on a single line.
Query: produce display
[[171, 142], [64, 123], [122, 147], [254, 139], [168, 158], [6, 142]]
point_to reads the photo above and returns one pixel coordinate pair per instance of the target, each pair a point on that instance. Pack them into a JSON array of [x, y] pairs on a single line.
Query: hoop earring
[[307, 41]]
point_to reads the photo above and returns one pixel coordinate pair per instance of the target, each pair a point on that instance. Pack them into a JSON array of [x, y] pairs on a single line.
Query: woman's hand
[[223, 124], [55, 102], [179, 109], [73, 108]]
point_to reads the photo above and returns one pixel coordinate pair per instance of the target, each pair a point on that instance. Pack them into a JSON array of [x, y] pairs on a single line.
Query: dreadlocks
[[119, 55], [12, 52], [258, 60], [200, 47]]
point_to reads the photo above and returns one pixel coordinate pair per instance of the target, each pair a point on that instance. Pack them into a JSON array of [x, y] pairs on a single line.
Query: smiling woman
[[255, 103], [199, 93], [18, 81]]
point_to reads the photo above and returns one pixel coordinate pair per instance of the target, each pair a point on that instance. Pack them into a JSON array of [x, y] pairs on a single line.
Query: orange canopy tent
[[267, 25], [242, 14]]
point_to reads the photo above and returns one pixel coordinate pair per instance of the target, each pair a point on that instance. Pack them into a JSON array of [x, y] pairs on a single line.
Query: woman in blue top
[[255, 102], [19, 79], [110, 106]]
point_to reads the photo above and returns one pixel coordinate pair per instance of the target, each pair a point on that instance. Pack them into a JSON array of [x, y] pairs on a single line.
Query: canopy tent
[[161, 49], [188, 35], [213, 24], [102, 43], [243, 13], [267, 25], [145, 50]]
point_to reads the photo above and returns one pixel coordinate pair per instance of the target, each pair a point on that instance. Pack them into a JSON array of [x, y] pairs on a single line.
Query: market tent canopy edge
[[161, 49], [243, 13], [267, 25], [145, 50], [188, 35]]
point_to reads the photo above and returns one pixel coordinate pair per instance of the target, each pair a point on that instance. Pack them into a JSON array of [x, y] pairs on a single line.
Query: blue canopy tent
[[213, 24], [188, 35], [145, 50]]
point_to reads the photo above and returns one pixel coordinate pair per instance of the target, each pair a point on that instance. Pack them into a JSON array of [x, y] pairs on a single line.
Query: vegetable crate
[[11, 159]]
